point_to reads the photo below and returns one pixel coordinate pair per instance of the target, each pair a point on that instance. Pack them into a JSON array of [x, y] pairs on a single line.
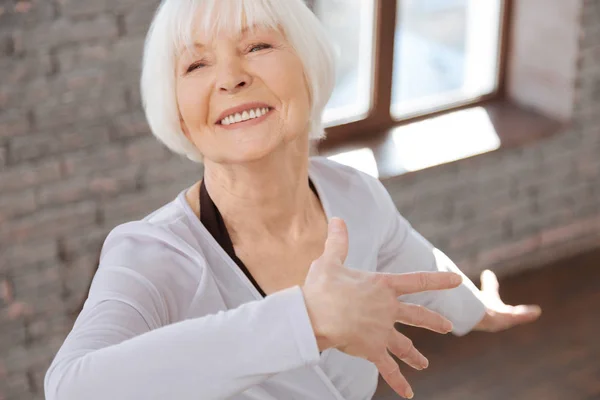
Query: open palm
[[500, 316]]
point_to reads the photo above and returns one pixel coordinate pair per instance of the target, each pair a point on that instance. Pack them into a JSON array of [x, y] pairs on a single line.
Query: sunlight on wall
[[444, 139], [361, 159]]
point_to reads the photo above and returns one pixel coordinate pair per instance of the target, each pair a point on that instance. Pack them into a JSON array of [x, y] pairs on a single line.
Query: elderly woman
[[246, 286]]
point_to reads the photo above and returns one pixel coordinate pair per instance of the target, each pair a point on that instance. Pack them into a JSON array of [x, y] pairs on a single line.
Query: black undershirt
[[212, 220]]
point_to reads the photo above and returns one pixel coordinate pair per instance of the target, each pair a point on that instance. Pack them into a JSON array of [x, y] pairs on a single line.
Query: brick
[[19, 358], [146, 150], [7, 44], [17, 386], [479, 234], [571, 230], [507, 251], [6, 290], [3, 157], [127, 57], [13, 333], [93, 187], [35, 285], [28, 175], [62, 32], [14, 122], [16, 71], [83, 57], [57, 221], [134, 97], [174, 170], [31, 253], [137, 20], [136, 206], [64, 192], [117, 182], [49, 143], [60, 89], [130, 125], [77, 8], [26, 14], [111, 101], [16, 204], [73, 246], [43, 326], [78, 277], [96, 161]]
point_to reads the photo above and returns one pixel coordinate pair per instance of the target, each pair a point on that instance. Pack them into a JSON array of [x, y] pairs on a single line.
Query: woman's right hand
[[354, 311]]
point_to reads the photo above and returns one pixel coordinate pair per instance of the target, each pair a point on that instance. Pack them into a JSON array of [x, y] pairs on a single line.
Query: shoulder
[[165, 227], [160, 247], [153, 261]]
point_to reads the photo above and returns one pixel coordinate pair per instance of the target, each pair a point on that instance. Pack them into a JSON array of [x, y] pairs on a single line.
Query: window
[[445, 51], [350, 25], [402, 59]]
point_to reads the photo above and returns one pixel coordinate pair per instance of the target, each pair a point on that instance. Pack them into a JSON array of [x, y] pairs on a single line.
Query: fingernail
[[448, 326], [457, 280], [409, 393], [425, 363], [334, 225]]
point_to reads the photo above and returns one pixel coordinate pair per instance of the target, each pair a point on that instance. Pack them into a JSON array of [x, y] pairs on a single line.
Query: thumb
[[336, 245], [489, 282]]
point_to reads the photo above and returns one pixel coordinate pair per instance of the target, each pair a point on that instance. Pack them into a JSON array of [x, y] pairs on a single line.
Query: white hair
[[173, 27]]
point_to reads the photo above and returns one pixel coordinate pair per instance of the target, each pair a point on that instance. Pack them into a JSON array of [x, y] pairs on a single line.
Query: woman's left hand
[[500, 316]]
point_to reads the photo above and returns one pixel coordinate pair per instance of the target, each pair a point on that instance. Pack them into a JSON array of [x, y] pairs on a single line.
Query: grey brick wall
[[76, 159]]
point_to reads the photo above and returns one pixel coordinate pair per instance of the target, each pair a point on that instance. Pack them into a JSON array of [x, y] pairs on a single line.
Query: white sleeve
[[120, 348], [405, 250]]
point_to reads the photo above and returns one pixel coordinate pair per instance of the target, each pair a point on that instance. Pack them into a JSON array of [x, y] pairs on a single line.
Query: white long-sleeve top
[[170, 315]]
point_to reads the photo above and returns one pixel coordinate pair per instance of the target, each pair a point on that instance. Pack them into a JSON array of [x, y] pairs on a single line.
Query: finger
[[403, 348], [415, 315], [415, 282], [489, 283], [390, 372], [513, 316], [336, 246], [523, 314]]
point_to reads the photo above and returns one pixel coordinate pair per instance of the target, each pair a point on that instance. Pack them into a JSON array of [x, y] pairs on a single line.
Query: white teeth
[[244, 116]]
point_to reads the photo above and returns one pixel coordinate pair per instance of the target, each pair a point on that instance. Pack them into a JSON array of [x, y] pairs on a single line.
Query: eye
[[259, 46], [194, 66]]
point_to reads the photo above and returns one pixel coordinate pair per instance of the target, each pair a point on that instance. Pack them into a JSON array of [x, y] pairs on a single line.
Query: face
[[242, 97]]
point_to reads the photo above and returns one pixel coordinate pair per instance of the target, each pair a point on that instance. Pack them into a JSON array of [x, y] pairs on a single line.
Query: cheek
[[284, 75], [192, 104]]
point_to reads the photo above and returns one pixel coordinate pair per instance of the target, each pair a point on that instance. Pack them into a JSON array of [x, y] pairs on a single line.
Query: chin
[[251, 150]]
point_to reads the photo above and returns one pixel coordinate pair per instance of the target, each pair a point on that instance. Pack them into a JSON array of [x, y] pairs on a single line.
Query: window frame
[[379, 118]]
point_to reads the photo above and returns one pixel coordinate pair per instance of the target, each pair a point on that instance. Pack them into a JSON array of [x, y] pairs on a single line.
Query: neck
[[268, 198]]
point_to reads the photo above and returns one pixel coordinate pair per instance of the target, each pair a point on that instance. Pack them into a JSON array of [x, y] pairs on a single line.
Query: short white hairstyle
[[172, 30]]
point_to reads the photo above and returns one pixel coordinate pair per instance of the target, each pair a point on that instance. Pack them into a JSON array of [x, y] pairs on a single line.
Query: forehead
[[203, 20]]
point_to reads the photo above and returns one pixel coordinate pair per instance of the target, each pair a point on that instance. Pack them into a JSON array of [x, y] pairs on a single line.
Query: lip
[[240, 109]]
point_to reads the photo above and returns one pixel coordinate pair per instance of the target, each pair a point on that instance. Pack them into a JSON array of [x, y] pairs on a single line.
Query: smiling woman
[[276, 275], [281, 44]]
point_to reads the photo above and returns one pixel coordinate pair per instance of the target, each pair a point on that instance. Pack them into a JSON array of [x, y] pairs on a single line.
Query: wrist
[[485, 322], [323, 341]]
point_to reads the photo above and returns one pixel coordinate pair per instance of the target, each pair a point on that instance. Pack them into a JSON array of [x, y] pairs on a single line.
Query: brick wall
[[76, 159]]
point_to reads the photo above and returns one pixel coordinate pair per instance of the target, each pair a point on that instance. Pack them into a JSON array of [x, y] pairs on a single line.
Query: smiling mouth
[[253, 113]]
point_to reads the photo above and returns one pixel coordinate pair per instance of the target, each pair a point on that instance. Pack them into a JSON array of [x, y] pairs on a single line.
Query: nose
[[233, 77]]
